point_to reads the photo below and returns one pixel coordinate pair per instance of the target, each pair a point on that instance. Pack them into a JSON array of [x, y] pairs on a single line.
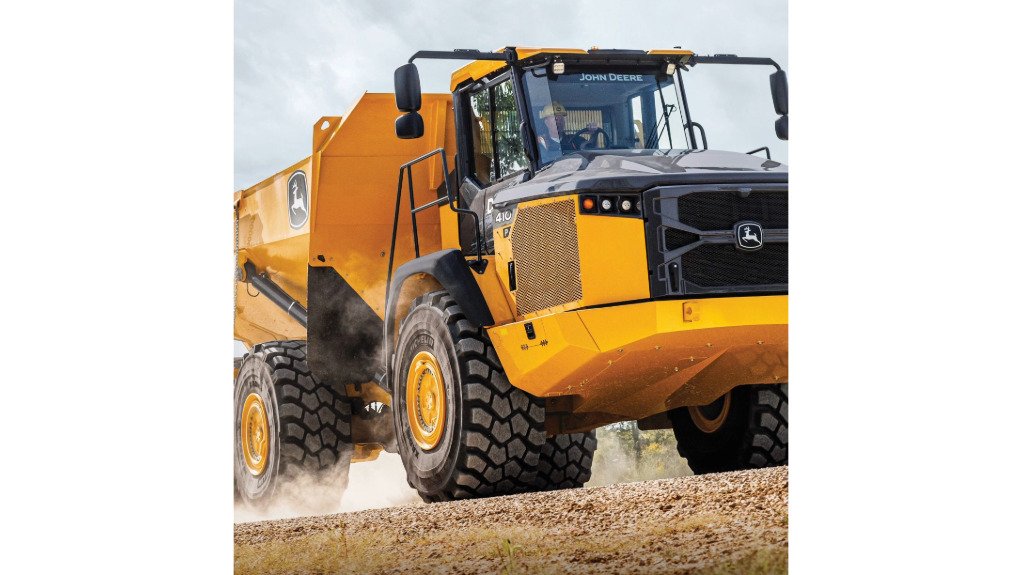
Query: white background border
[[905, 307]]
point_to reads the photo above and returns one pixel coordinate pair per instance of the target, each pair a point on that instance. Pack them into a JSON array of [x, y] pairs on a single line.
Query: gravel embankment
[[719, 523]]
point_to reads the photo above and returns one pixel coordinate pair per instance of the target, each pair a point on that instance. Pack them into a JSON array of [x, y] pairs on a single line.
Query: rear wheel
[[462, 429], [566, 461], [288, 426], [746, 428]]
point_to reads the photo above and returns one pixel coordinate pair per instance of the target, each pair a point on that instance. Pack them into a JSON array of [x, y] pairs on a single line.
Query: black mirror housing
[[407, 91], [781, 127], [779, 90], [409, 126]]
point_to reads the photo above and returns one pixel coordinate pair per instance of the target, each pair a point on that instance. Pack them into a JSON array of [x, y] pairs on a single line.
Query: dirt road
[[721, 523]]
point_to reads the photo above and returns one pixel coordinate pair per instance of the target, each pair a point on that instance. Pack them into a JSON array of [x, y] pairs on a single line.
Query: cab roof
[[478, 69]]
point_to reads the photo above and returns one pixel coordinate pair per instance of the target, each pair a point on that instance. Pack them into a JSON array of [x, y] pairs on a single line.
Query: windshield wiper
[[658, 130], [668, 108]]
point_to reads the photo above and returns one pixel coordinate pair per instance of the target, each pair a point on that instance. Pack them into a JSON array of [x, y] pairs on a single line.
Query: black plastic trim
[[452, 272], [665, 276], [344, 333]]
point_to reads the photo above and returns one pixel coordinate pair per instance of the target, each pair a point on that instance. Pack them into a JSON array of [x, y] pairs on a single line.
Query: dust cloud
[[625, 454], [371, 485]]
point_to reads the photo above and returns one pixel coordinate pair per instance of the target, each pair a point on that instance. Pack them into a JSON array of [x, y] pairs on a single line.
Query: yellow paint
[[686, 54], [355, 176], [636, 360], [425, 400], [265, 238], [255, 434], [366, 452], [612, 259], [494, 291]]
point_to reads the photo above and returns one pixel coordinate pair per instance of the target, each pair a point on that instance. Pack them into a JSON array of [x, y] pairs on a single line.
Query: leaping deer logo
[[296, 198], [297, 202], [748, 236]]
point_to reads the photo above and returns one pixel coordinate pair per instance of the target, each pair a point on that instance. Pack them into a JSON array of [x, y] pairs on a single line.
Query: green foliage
[[625, 453], [506, 553], [506, 130]]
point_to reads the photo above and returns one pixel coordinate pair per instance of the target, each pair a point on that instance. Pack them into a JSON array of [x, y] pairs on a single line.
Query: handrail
[[702, 132], [406, 168]]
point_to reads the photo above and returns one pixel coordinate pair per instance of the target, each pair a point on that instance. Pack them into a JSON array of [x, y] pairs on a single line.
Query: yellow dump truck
[[478, 280]]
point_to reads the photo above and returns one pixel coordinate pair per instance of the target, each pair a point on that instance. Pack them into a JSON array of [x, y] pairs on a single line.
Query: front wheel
[[462, 429], [746, 428]]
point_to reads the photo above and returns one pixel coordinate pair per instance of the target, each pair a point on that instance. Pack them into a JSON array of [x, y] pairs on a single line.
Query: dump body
[[351, 182], [265, 236]]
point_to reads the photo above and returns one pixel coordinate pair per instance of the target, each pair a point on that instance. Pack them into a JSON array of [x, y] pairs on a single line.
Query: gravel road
[[720, 523]]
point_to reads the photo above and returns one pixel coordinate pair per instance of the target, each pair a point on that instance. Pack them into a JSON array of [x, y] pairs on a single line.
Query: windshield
[[603, 109]]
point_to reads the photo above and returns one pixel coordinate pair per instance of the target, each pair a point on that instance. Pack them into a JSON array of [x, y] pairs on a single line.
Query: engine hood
[[637, 170]]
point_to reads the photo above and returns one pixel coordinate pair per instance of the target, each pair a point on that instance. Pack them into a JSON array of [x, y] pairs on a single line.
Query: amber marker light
[[588, 204]]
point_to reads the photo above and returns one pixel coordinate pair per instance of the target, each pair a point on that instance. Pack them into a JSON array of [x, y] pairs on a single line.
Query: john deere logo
[[748, 236], [297, 200]]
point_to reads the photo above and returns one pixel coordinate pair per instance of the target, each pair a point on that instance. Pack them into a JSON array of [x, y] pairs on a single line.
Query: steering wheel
[[580, 143]]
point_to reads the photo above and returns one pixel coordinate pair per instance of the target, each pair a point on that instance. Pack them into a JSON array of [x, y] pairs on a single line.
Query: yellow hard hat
[[553, 109]]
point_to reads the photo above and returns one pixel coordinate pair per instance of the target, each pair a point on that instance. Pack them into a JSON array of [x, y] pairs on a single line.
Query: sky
[[295, 62]]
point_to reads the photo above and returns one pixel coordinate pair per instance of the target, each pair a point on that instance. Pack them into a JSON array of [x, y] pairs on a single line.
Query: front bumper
[[632, 361]]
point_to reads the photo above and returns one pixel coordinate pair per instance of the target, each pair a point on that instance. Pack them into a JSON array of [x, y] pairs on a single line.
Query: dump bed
[[340, 202]]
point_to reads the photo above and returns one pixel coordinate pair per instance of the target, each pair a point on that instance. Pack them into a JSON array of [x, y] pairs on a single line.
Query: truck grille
[[690, 239], [721, 210], [717, 265], [544, 242]]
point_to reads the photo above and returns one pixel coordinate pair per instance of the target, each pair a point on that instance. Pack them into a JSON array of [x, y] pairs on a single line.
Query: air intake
[[544, 242]]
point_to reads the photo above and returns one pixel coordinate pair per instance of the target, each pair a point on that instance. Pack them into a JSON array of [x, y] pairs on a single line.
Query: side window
[[508, 136], [497, 149], [482, 137], [638, 131]]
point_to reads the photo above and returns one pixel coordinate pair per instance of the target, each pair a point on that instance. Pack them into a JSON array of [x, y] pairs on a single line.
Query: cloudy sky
[[295, 62]]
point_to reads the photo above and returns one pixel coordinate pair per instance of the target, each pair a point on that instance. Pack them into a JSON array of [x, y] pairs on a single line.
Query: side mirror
[[778, 89], [409, 126], [406, 88], [781, 127]]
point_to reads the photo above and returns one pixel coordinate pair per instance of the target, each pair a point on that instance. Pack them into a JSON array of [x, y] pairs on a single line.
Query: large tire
[[751, 432], [288, 426], [475, 435], [566, 461]]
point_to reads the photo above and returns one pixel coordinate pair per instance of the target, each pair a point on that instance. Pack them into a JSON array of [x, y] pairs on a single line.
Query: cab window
[[482, 138], [497, 149]]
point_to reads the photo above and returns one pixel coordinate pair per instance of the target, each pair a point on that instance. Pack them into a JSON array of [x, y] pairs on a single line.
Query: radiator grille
[[545, 246], [721, 211], [717, 265], [674, 239]]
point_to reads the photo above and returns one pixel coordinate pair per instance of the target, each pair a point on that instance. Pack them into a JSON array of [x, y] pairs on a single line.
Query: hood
[[637, 170]]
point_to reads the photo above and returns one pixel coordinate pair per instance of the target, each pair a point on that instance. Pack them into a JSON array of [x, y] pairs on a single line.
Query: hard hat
[[553, 109]]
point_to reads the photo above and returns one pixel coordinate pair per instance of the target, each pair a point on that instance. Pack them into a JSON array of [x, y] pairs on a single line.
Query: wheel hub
[[710, 418], [426, 400], [255, 434]]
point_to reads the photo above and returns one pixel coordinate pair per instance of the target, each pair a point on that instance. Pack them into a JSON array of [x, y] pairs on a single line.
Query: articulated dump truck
[[478, 280]]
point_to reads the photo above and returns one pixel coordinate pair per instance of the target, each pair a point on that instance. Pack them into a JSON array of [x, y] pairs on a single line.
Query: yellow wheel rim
[[425, 400], [255, 434], [707, 418]]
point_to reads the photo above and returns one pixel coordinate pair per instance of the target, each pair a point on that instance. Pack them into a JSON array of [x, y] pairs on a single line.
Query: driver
[[551, 137]]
